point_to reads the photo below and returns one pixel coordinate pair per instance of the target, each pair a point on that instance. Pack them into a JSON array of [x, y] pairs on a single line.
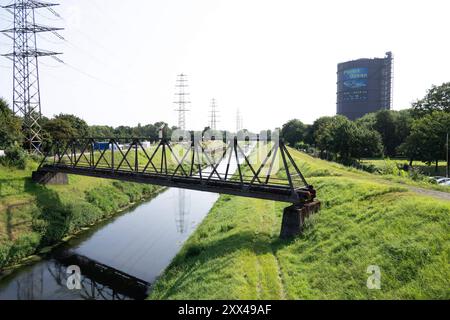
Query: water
[[121, 258]]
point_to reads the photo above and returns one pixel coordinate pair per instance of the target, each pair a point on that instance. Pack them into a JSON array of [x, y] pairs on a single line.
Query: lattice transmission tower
[[213, 116], [25, 54], [182, 100]]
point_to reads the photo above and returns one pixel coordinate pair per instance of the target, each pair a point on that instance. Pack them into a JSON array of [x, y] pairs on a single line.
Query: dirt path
[[433, 193]]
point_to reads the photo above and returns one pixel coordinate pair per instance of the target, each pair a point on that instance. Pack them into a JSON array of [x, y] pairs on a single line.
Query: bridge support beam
[[52, 178], [294, 218]]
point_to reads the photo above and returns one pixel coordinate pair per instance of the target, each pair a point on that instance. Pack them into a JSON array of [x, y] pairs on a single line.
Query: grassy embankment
[[33, 216], [365, 220], [389, 170]]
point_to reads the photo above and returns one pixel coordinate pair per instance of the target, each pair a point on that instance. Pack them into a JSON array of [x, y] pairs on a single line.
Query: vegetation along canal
[[120, 258]]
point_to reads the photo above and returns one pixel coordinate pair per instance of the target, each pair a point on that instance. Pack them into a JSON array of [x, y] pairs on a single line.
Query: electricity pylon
[[213, 115], [182, 100], [25, 54]]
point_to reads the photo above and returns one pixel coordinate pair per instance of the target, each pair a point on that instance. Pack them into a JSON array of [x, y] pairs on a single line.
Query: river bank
[[236, 253], [35, 218], [120, 258]]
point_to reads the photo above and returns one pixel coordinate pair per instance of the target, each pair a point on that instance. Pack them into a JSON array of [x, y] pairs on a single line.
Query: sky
[[274, 60]]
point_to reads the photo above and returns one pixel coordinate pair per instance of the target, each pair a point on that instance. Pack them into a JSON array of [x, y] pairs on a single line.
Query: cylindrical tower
[[364, 86]]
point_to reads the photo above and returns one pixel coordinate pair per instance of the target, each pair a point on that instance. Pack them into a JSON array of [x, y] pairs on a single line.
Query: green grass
[[33, 216], [428, 170], [236, 254]]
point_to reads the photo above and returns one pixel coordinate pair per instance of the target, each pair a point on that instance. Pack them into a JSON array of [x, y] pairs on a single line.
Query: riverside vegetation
[[33, 216], [365, 220]]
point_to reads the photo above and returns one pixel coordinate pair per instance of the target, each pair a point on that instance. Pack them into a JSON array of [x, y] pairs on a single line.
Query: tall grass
[[236, 253]]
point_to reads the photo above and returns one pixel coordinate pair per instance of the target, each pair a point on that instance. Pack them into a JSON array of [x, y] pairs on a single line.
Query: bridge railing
[[250, 165]]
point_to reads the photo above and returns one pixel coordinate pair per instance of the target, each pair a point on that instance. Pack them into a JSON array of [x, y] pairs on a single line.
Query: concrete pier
[[294, 218], [52, 178]]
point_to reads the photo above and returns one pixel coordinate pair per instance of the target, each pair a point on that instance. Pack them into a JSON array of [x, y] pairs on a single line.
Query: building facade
[[364, 86]]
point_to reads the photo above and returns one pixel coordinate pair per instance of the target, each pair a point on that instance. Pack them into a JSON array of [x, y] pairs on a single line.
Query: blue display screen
[[355, 81]]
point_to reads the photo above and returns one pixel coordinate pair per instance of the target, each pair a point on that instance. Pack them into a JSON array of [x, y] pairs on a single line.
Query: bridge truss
[[248, 167]]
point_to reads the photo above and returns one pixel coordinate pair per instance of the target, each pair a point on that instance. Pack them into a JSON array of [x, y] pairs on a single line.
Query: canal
[[119, 258]]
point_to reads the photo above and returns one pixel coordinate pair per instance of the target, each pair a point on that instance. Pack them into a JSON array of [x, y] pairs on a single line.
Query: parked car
[[444, 182], [435, 180]]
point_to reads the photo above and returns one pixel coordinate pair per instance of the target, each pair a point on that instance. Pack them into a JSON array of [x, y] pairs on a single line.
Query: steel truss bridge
[[248, 167]]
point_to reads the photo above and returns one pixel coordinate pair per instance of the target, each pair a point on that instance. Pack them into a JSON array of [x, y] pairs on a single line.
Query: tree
[[123, 132], [309, 134], [10, 126], [436, 99], [322, 134], [293, 131], [385, 124], [393, 126], [343, 137], [367, 143], [403, 127], [427, 141], [58, 129], [101, 131], [81, 128]]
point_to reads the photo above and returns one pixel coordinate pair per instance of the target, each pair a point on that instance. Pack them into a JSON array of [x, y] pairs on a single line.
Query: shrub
[[107, 198], [4, 254], [15, 156], [83, 214], [22, 247]]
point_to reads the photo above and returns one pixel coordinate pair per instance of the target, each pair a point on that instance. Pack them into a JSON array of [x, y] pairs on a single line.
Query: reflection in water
[[48, 280], [182, 211], [31, 286], [99, 281]]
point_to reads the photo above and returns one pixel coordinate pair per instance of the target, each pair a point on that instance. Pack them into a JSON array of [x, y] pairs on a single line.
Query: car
[[442, 180], [434, 180], [445, 183]]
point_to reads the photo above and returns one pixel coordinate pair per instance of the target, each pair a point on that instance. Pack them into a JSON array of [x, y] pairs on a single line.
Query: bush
[[15, 156], [24, 246], [4, 254], [108, 198]]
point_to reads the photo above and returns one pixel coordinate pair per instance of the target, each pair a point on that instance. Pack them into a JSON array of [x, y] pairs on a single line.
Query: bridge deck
[[126, 166]]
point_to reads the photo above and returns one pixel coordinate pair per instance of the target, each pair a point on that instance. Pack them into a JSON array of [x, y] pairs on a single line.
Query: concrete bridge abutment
[[294, 218], [51, 178]]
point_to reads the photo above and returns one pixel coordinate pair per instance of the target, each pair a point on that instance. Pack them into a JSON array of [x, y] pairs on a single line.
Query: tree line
[[418, 133]]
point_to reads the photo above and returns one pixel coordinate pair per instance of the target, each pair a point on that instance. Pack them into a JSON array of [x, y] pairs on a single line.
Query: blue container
[[101, 146]]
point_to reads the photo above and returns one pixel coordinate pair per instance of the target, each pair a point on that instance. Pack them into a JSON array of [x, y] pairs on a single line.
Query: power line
[[47, 40], [50, 66], [58, 18], [83, 72]]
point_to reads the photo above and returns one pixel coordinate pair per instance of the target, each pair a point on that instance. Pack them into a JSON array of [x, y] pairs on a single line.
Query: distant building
[[364, 86]]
